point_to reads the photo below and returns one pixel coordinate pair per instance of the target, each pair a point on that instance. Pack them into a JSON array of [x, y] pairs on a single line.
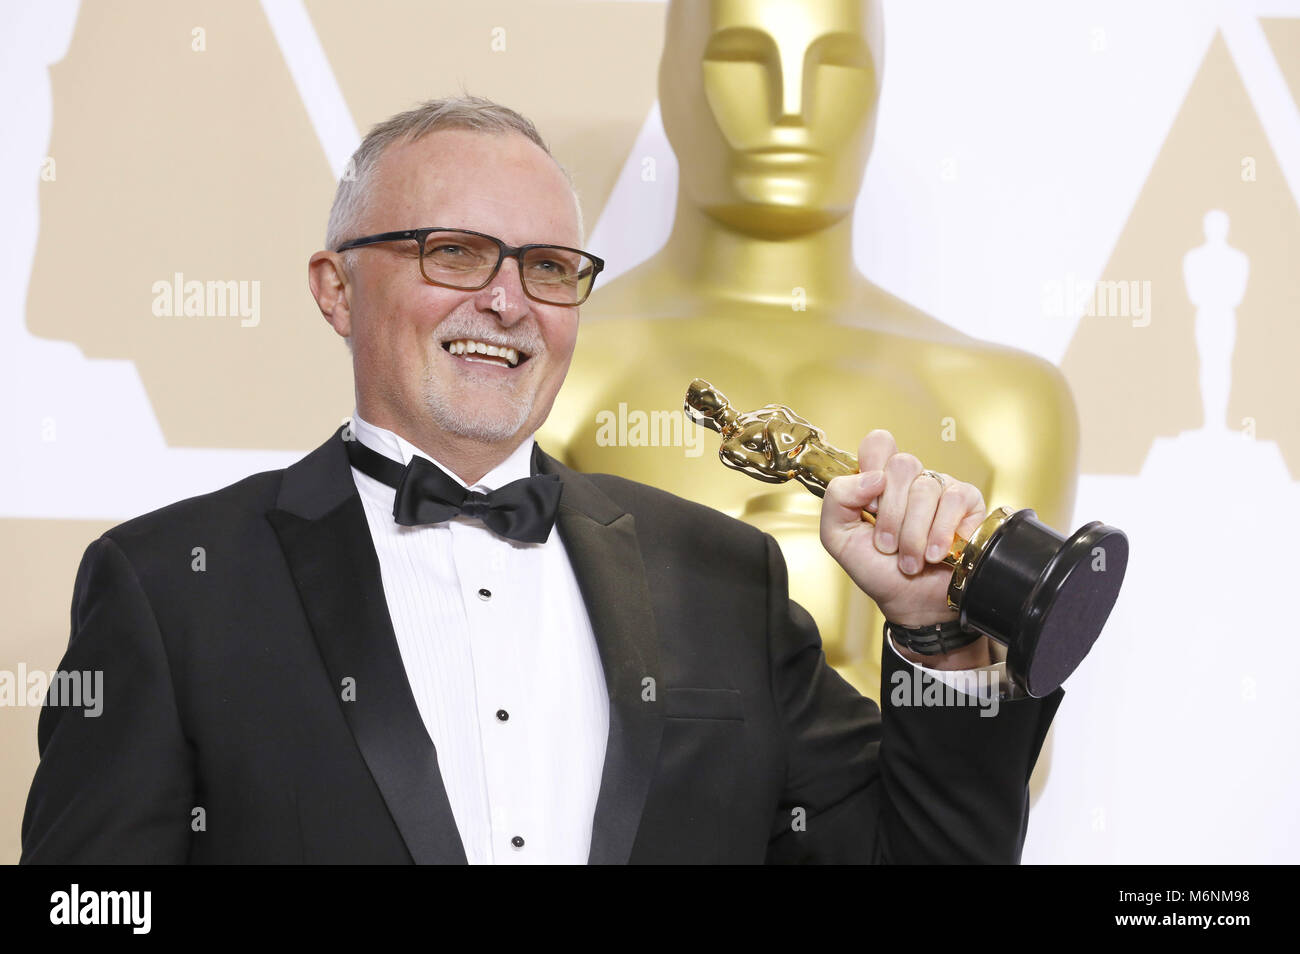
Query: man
[[353, 660]]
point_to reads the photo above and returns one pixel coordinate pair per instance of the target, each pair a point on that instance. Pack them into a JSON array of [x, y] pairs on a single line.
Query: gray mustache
[[528, 344]]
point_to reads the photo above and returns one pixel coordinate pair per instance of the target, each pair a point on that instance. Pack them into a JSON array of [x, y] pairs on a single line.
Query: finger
[[900, 471], [875, 450], [976, 511], [847, 496], [922, 503], [959, 505]]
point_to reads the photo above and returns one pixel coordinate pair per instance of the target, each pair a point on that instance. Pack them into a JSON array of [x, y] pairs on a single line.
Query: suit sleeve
[[117, 787], [914, 784]]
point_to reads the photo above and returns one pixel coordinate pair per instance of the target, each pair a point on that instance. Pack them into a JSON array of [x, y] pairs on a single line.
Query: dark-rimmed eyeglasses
[[468, 261]]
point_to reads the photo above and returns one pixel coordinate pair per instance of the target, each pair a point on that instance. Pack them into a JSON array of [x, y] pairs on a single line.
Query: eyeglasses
[[468, 261]]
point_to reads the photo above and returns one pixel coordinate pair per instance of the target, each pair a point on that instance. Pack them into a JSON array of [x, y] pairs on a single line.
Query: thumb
[[847, 496]]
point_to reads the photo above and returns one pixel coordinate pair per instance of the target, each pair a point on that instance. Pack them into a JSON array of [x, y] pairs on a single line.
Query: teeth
[[468, 346]]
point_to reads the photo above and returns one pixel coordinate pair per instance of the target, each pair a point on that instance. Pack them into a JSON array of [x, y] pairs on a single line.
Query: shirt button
[[502, 715], [484, 593], [517, 841]]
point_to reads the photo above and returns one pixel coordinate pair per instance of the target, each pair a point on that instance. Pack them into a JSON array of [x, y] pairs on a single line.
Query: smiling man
[[427, 356], [430, 641]]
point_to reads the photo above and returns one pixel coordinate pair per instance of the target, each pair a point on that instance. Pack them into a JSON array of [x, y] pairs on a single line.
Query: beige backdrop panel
[[201, 163], [1134, 383]]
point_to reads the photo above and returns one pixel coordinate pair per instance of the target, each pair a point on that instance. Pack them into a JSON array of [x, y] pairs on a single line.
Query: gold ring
[[943, 481]]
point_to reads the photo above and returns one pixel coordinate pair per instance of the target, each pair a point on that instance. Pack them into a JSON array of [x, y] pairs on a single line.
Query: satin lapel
[[322, 529], [600, 539]]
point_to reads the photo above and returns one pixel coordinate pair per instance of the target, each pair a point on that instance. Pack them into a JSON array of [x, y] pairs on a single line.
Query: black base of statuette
[[1044, 597]]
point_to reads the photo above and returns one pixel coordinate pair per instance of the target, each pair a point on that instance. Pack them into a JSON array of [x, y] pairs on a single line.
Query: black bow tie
[[522, 510]]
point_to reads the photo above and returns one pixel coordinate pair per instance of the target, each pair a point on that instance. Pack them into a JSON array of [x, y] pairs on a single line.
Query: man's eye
[[549, 270], [454, 255]]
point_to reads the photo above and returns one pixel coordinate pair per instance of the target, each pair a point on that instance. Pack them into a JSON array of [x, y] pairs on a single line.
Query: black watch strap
[[931, 640]]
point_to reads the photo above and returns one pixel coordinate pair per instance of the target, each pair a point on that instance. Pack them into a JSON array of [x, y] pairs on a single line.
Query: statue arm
[[1028, 429]]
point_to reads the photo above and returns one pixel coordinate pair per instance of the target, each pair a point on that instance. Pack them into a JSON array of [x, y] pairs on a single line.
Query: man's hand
[[898, 562]]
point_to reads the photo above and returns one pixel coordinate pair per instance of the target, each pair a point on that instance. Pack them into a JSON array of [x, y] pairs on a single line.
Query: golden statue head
[[770, 106], [706, 405]]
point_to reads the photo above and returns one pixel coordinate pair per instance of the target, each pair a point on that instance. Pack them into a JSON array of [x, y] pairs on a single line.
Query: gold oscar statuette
[[1016, 580]]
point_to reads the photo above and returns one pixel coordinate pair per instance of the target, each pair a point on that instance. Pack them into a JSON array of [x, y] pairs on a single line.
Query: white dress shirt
[[501, 657]]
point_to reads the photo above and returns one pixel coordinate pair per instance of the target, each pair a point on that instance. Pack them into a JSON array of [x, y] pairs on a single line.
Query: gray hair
[[460, 112]]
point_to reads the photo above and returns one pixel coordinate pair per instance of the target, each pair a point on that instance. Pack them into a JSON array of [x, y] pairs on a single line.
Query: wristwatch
[[931, 640]]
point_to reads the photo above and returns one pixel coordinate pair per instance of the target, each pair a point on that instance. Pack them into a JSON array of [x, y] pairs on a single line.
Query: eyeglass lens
[[550, 273]]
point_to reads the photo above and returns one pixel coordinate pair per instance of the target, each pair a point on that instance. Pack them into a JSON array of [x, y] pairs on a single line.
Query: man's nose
[[505, 294]]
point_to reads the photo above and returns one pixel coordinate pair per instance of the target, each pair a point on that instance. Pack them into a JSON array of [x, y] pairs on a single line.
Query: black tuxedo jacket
[[225, 735]]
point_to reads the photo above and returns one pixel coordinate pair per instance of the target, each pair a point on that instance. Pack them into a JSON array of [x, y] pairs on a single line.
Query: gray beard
[[474, 422]]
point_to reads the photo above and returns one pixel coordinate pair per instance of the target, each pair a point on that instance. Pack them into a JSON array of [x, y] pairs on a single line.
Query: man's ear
[[329, 286]]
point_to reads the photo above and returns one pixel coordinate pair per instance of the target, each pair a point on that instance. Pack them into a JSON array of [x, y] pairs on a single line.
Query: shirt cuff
[[967, 681]]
